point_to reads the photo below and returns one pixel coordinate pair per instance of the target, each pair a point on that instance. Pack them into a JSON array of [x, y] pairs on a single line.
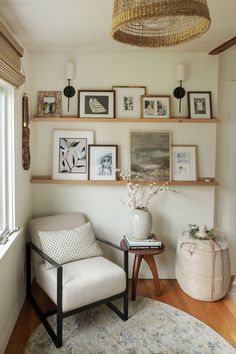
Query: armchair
[[77, 285]]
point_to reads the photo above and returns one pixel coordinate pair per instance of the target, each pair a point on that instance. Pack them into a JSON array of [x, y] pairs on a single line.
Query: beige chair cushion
[[84, 281], [65, 246]]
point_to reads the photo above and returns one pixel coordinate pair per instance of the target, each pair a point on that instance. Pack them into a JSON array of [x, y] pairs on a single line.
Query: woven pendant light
[[159, 23]]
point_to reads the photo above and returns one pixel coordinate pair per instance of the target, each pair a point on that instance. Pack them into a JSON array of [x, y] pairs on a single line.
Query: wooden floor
[[219, 315]]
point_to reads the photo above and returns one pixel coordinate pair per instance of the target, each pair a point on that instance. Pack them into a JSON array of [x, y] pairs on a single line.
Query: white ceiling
[[85, 25]]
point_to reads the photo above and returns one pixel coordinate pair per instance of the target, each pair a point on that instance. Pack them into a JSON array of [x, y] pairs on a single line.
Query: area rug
[[153, 327]]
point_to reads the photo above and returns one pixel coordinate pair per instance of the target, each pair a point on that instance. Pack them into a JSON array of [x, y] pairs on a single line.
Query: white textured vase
[[140, 221]]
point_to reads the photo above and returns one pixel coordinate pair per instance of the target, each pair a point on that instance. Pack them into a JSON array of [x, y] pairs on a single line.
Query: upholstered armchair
[[73, 285]]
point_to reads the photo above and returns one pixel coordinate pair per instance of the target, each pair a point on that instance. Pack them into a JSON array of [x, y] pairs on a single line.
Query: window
[[7, 195]]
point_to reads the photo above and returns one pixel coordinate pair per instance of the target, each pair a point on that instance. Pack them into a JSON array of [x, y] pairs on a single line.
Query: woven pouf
[[203, 268]]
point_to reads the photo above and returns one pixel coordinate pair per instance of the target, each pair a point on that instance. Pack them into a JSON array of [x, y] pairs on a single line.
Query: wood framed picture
[[156, 106], [70, 154], [150, 155], [184, 163], [128, 101], [49, 104], [96, 104], [199, 104], [103, 162]]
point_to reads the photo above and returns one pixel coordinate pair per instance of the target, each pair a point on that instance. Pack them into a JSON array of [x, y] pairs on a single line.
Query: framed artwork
[[96, 104], [184, 163], [49, 103], [156, 106], [128, 101], [150, 155], [199, 104], [70, 154], [103, 162]]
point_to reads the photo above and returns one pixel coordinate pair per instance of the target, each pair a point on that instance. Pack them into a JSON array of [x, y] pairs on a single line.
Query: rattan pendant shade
[[159, 23]]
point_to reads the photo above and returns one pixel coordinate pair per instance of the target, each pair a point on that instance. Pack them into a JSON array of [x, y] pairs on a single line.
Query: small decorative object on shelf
[[199, 104], [156, 106], [149, 243], [128, 101], [202, 263], [96, 104], [49, 104]]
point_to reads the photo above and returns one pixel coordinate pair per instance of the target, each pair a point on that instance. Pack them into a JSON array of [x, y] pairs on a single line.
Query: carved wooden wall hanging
[[25, 133]]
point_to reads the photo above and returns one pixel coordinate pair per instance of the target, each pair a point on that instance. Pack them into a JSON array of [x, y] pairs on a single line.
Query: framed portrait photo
[[128, 101], [199, 105], [156, 106], [70, 154], [184, 163], [96, 104], [103, 162], [150, 155], [49, 104]]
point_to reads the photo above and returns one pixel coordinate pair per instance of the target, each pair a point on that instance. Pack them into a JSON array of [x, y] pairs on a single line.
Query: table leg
[[152, 265], [136, 266]]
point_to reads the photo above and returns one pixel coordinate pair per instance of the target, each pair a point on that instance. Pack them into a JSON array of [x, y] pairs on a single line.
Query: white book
[[149, 242]]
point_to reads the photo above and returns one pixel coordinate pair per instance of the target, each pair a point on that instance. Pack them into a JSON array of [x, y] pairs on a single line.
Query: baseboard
[[5, 336]]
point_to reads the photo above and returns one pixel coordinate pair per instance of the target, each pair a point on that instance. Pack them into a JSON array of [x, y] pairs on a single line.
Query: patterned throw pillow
[[70, 245]]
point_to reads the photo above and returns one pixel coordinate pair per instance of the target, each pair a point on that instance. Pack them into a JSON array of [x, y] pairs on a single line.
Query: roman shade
[[10, 54]]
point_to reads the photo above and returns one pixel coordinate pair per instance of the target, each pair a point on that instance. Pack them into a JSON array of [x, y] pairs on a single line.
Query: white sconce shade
[[180, 72], [69, 71]]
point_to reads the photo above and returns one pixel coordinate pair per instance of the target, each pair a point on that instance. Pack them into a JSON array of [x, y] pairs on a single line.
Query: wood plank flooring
[[219, 315]]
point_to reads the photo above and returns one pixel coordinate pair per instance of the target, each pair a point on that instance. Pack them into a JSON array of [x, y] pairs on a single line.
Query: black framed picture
[[103, 162], [199, 104]]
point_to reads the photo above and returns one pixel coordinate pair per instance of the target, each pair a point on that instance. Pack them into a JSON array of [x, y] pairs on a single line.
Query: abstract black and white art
[[150, 155], [70, 156], [96, 104], [102, 162]]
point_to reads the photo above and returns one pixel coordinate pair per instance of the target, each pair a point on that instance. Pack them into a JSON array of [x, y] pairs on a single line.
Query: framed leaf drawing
[[70, 154]]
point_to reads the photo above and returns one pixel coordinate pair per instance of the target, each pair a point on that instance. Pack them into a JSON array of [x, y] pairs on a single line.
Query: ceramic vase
[[140, 221]]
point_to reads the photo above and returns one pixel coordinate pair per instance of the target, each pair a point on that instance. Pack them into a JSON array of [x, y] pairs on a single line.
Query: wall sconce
[[69, 91], [179, 92]]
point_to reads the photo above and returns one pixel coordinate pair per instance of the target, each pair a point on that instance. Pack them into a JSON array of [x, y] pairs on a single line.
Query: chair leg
[[126, 306]]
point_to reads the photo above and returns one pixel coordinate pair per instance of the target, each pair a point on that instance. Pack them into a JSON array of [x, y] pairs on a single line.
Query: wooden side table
[[147, 255]]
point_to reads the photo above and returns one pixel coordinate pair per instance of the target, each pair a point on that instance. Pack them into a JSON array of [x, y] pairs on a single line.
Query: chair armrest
[[44, 255], [109, 243]]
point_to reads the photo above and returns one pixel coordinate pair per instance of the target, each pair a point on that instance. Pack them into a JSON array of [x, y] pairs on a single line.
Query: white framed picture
[[103, 162], [184, 162], [96, 104], [70, 154], [128, 101], [156, 106]]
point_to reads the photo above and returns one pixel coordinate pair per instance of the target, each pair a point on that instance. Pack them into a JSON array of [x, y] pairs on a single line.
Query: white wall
[[12, 277], [171, 212], [226, 146]]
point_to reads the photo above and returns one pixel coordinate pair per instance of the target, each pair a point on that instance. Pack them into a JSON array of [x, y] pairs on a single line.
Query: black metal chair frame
[[58, 336]]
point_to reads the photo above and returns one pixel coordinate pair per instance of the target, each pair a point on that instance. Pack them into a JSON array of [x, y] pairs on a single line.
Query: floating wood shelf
[[125, 120], [49, 180]]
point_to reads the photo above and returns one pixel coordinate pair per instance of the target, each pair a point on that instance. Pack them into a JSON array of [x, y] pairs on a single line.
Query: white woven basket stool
[[203, 268]]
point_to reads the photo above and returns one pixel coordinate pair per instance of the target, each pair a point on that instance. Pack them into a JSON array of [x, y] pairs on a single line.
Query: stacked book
[[150, 242]]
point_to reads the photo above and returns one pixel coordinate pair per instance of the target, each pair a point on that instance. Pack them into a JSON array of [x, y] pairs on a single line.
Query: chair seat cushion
[[84, 281], [70, 245]]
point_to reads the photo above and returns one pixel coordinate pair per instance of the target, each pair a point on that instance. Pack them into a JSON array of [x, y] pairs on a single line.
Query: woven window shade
[[10, 54], [159, 23]]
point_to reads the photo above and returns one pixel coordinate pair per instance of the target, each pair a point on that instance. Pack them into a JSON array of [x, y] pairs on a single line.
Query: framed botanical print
[[184, 163], [156, 106], [199, 105], [49, 104], [128, 101], [150, 155], [70, 154], [103, 162], [96, 104]]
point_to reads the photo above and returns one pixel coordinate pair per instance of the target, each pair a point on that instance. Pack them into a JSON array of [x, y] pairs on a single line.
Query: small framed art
[[184, 163], [96, 104], [103, 162], [150, 155], [128, 101], [70, 154], [156, 106], [49, 104], [199, 104]]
